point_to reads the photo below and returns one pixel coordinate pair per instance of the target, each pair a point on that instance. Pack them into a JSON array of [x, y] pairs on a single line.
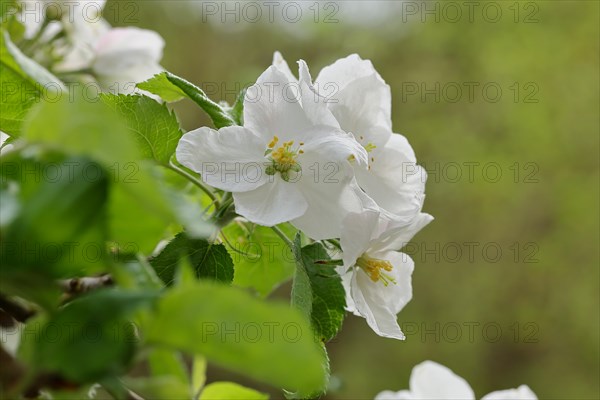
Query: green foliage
[[270, 342], [152, 124], [24, 83], [230, 391], [138, 212], [169, 378], [198, 374], [173, 88], [262, 259], [160, 387], [113, 188], [209, 260], [160, 85], [317, 290], [7, 7], [164, 362], [58, 226], [90, 338]]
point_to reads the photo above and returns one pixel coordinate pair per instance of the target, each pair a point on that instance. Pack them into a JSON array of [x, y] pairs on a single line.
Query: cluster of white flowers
[[81, 40], [322, 155], [430, 380]]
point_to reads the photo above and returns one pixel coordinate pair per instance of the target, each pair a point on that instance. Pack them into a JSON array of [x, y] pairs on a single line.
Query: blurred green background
[[529, 315]]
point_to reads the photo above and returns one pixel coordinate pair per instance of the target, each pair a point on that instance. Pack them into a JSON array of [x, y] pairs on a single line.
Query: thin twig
[[85, 284], [173, 167], [283, 236]]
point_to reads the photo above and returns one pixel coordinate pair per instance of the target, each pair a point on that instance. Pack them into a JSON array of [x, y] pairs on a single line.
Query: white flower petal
[[304, 73], [328, 204], [358, 96], [389, 395], [272, 106], [282, 65], [230, 159], [379, 304], [346, 70], [323, 144], [362, 107], [397, 235], [273, 203], [403, 269], [125, 80], [370, 304], [430, 380], [357, 229], [126, 48], [314, 104], [523, 392], [394, 180], [347, 283]]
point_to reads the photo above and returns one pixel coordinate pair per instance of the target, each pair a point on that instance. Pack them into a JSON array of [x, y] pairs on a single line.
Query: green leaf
[[138, 210], [153, 125], [269, 342], [90, 338], [159, 85], [209, 260], [135, 272], [198, 374], [230, 391], [173, 88], [60, 228], [237, 110], [163, 362], [318, 290], [24, 83], [159, 387], [320, 391], [188, 204], [262, 260]]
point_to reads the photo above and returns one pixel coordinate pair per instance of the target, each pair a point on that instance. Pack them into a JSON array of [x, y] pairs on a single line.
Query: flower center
[[376, 269], [283, 159]]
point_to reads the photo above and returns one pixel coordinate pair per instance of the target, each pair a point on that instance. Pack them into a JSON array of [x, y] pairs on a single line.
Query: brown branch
[[82, 285], [15, 310]]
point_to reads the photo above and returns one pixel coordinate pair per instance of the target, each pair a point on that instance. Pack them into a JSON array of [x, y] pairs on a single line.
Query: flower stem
[[283, 236], [335, 243], [195, 181]]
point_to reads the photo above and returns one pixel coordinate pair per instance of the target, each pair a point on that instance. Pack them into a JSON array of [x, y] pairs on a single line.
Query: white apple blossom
[[376, 277], [361, 102], [289, 162], [430, 380], [523, 392], [117, 57], [125, 56], [34, 15]]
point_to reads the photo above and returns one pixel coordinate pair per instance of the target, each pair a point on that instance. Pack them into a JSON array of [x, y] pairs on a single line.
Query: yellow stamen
[[376, 269], [370, 147], [273, 142]]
